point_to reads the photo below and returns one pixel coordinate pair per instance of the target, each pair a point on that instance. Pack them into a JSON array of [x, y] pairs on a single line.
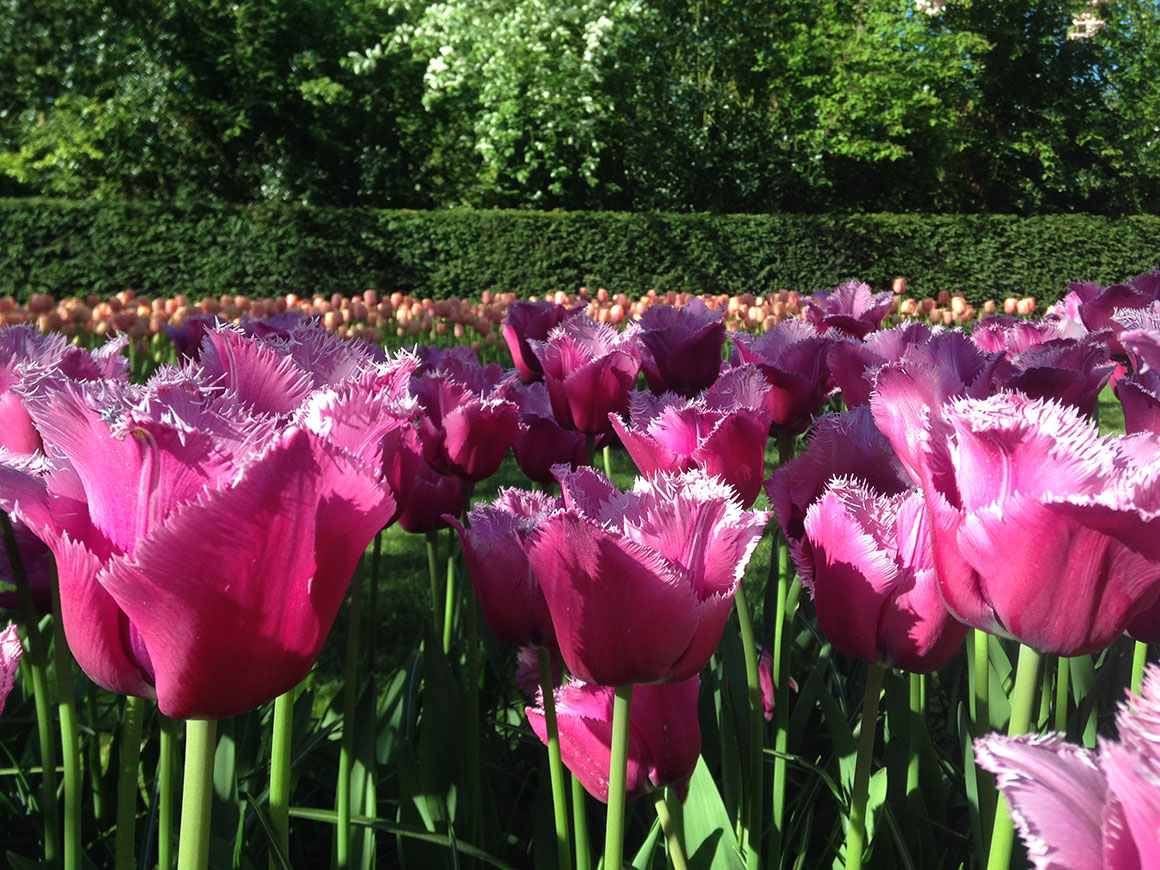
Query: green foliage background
[[163, 249]]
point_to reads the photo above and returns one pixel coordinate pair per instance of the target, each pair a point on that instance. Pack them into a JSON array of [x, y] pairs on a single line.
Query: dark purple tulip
[[423, 493], [664, 735], [542, 442], [1042, 530], [495, 549], [1099, 307], [793, 359], [525, 322], [36, 559], [589, 368], [1071, 371], [188, 336], [681, 347], [1141, 336], [873, 580], [673, 434], [842, 445], [463, 432], [852, 309], [1140, 396]]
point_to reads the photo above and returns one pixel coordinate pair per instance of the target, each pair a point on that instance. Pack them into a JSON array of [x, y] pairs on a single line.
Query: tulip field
[[833, 581]]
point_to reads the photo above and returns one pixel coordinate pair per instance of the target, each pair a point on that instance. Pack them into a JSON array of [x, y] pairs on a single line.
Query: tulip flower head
[[852, 309], [793, 358], [872, 578], [542, 442], [853, 363], [525, 322], [10, 651], [589, 368], [464, 432], [1076, 809], [669, 433], [664, 736], [640, 583], [681, 347], [1042, 530], [494, 547], [1102, 308], [203, 552]]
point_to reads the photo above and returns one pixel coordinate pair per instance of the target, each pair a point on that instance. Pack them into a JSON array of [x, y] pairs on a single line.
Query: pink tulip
[[10, 651], [1076, 809], [640, 583], [36, 560], [793, 359], [664, 738], [673, 434], [681, 347], [495, 549], [853, 363], [464, 432], [525, 322], [589, 368], [873, 580], [1102, 308], [852, 309], [203, 552], [841, 445], [1042, 530]]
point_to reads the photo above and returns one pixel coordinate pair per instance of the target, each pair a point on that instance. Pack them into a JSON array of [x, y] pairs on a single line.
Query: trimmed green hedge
[[67, 248]]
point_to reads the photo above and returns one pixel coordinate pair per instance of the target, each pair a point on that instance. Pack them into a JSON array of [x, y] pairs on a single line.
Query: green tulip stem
[[166, 762], [580, 824], [433, 574], [373, 599], [617, 779], [590, 449], [342, 801], [982, 680], [750, 833], [94, 760], [280, 774], [1062, 674], [36, 662], [125, 843], [69, 736], [672, 836], [555, 763], [197, 794], [448, 595], [917, 721], [1022, 706], [608, 461], [788, 591], [1139, 659], [856, 834]]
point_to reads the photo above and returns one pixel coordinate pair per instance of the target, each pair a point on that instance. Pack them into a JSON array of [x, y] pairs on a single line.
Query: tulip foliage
[[234, 539]]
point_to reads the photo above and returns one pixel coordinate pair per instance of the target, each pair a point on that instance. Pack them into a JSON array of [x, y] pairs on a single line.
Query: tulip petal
[[1056, 793]]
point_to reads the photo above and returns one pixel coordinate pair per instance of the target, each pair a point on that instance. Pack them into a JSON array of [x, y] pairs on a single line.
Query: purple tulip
[[495, 549], [841, 445], [873, 580], [1140, 396], [542, 442], [853, 363], [1042, 530], [464, 432], [589, 368], [1141, 336], [852, 309], [640, 583], [793, 359], [664, 736], [525, 322], [1101, 308], [672, 434], [1076, 809], [424, 494], [10, 651], [203, 552], [681, 347], [36, 560]]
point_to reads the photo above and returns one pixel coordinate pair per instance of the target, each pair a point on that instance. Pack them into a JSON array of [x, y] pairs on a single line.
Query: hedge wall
[[67, 248]]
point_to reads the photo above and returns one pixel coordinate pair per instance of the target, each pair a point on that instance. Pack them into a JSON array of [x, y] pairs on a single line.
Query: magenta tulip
[[1140, 395], [426, 496], [1070, 371], [525, 322], [793, 358], [853, 363], [673, 434], [1076, 809], [841, 445], [873, 580], [10, 651], [36, 560], [495, 549], [681, 347], [1102, 308], [1141, 336], [589, 368], [852, 309], [1042, 530], [542, 442], [664, 736], [640, 583], [203, 552], [464, 432]]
